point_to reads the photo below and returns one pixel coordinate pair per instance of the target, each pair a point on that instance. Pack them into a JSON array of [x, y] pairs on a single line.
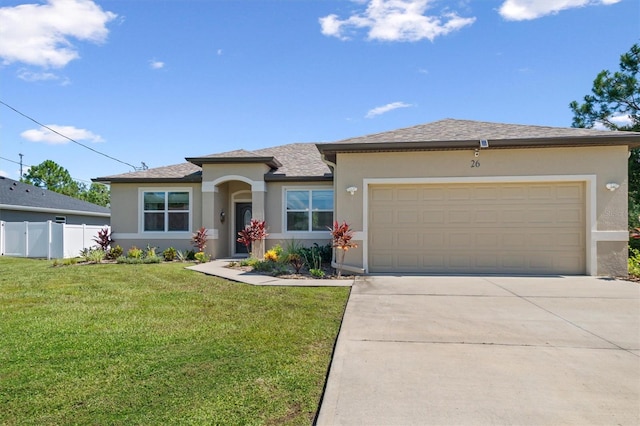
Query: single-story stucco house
[[451, 196], [23, 202]]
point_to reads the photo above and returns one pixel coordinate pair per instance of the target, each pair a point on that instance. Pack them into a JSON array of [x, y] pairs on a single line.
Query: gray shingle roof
[[298, 160], [14, 193], [185, 172], [292, 161], [463, 130]]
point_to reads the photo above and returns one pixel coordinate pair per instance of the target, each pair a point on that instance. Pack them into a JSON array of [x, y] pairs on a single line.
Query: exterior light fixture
[[352, 190], [223, 216], [612, 186]]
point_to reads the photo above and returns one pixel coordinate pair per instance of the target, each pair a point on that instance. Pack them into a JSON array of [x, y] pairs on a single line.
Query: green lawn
[[158, 344]]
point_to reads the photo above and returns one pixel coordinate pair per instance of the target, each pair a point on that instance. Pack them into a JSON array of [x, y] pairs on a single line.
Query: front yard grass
[[158, 344]]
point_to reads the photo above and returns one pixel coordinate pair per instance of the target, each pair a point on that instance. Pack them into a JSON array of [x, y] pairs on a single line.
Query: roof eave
[[107, 180], [329, 150], [285, 178], [269, 161], [18, 207]]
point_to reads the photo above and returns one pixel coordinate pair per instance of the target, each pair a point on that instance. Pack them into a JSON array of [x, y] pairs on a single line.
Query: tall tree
[[54, 177], [614, 103]]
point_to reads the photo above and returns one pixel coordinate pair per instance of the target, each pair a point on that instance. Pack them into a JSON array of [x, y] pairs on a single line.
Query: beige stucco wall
[[125, 207], [608, 164], [255, 172]]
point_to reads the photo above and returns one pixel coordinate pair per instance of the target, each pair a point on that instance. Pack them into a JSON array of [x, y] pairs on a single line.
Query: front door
[[243, 218]]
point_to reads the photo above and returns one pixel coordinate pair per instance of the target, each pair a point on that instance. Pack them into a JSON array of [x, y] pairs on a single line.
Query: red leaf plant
[[341, 236], [256, 230], [103, 239], [199, 239]]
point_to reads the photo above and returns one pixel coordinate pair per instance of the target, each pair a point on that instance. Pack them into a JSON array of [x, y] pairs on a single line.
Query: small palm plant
[[341, 236]]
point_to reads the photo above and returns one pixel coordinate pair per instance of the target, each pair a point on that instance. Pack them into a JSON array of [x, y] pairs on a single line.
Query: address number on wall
[[475, 163]]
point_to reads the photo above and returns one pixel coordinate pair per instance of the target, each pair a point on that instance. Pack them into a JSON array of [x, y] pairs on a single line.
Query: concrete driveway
[[487, 350]]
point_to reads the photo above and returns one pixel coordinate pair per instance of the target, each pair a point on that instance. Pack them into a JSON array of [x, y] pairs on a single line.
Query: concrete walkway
[[219, 268], [487, 350]]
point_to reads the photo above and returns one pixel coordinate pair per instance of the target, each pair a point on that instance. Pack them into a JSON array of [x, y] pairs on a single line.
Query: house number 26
[[475, 163]]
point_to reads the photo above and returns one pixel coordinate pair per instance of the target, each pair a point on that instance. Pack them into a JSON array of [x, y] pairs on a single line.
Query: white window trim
[[165, 234], [302, 234]]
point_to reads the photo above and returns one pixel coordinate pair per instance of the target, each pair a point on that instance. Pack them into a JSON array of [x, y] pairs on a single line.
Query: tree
[[54, 177], [97, 194], [615, 104]]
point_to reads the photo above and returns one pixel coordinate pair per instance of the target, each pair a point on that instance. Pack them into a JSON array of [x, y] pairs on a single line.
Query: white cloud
[[31, 76], [39, 34], [395, 20], [386, 108], [621, 120], [3, 173], [156, 65], [45, 135], [522, 10]]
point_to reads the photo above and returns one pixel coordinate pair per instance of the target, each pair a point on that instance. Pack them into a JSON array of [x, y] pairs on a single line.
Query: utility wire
[[66, 137], [17, 162]]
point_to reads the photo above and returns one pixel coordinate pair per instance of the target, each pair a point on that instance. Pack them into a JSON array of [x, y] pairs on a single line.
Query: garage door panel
[[382, 217], [408, 194], [569, 192], [570, 215], [433, 217], [510, 228], [462, 217], [407, 217]]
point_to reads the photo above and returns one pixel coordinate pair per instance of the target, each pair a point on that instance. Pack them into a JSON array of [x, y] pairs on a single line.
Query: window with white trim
[[309, 210], [166, 211]]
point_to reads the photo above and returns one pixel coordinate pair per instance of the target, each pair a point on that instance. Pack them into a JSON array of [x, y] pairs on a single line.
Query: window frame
[[166, 211], [310, 209]]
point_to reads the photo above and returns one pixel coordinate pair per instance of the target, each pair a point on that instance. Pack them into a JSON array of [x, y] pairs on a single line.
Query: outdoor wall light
[[352, 190], [223, 216], [612, 186]]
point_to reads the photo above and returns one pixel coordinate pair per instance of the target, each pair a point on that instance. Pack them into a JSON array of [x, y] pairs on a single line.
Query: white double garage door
[[528, 228]]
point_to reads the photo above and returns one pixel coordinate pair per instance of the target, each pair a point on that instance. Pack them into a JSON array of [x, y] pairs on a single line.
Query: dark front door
[[243, 217]]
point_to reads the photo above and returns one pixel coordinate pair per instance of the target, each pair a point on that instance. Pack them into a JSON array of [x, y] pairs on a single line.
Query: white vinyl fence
[[48, 240]]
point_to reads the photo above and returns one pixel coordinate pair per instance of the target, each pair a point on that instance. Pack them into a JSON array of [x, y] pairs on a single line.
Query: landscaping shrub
[[296, 261], [95, 255], [316, 273], [202, 257], [634, 262], [341, 239], [115, 252], [199, 239], [170, 254], [256, 230], [134, 253], [103, 239]]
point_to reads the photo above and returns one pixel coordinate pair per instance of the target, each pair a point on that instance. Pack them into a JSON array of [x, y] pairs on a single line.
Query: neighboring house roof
[[465, 134], [16, 195], [296, 161]]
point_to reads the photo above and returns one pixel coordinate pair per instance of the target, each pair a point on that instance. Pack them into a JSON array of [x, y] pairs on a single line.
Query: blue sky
[[155, 81]]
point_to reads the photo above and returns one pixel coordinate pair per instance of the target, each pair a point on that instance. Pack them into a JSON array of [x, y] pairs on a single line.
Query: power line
[[66, 137], [17, 162]]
